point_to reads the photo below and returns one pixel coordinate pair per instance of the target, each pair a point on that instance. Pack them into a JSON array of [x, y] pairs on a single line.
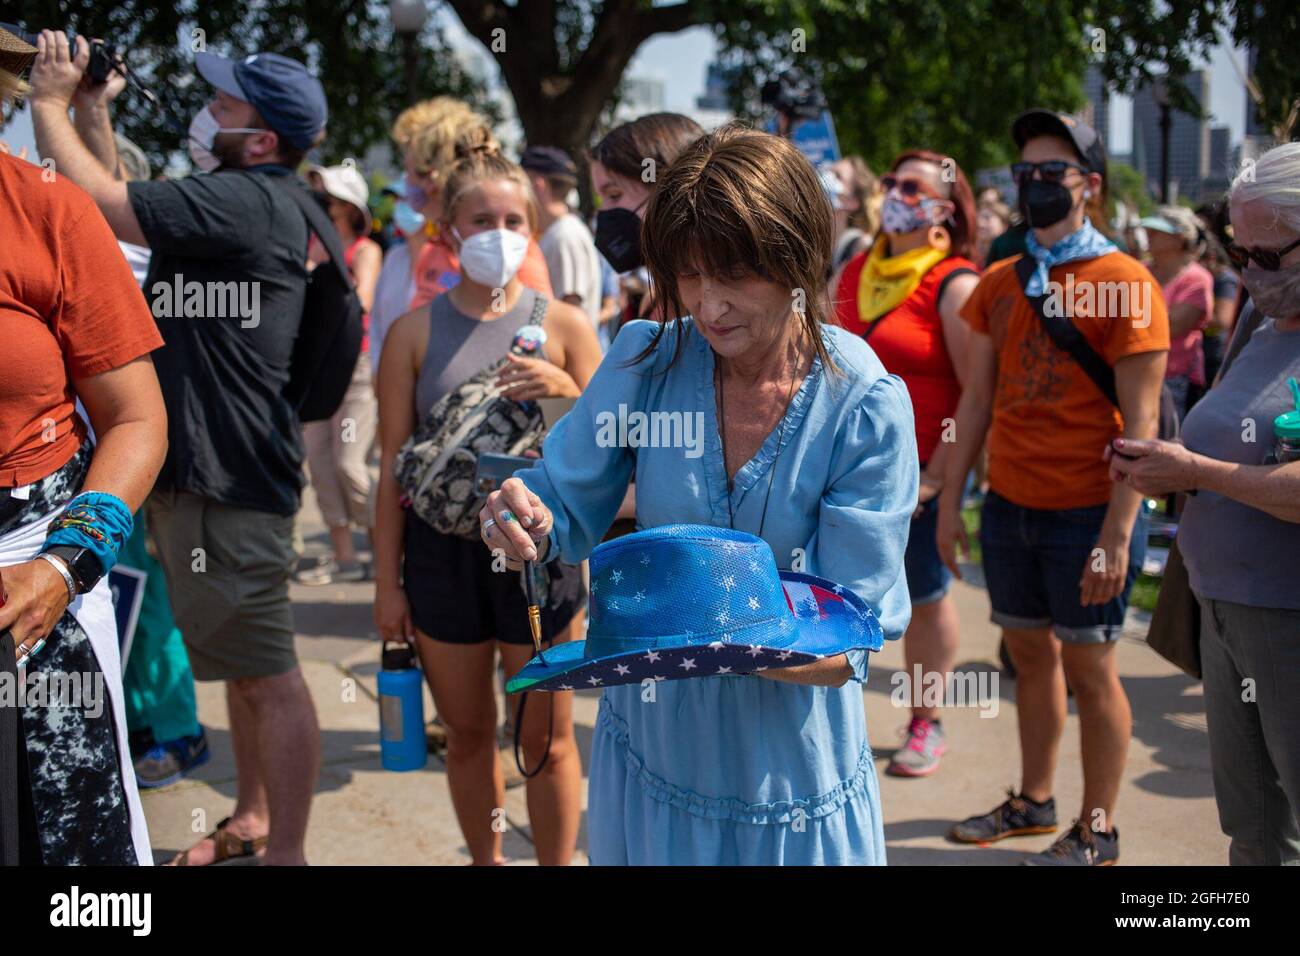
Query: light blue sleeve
[[583, 475], [866, 511]]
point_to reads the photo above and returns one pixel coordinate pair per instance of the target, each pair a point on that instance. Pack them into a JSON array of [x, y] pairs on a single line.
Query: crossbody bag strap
[[539, 310], [1067, 337]]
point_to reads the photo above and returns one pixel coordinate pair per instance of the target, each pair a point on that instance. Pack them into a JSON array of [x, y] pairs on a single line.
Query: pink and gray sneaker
[[921, 751]]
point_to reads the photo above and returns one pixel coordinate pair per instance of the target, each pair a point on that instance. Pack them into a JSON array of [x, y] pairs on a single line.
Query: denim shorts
[[928, 578], [1033, 560]]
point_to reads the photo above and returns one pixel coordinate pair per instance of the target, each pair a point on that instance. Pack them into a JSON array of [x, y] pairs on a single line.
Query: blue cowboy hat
[[691, 600]]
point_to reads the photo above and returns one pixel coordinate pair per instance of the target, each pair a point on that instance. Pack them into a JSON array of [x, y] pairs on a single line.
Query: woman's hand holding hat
[[515, 520]]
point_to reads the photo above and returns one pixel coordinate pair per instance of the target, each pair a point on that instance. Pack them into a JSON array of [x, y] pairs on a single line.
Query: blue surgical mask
[[406, 219]]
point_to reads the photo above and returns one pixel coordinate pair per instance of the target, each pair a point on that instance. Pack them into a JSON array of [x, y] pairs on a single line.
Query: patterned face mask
[[898, 218]]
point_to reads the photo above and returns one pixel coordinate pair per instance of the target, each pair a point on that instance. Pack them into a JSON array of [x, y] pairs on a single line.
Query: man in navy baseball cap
[[236, 243], [286, 96], [268, 109]]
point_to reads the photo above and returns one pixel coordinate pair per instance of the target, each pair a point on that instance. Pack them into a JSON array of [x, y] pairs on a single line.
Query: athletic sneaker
[[1080, 846], [921, 751], [331, 571], [167, 763], [1016, 816]]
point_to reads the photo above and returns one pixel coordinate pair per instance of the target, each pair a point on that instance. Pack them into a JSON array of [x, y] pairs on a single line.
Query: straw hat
[[15, 55]]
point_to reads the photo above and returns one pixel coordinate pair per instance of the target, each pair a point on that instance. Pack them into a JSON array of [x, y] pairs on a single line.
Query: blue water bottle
[[401, 710]]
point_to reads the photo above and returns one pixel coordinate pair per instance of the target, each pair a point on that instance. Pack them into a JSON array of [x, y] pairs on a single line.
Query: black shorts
[[456, 597]]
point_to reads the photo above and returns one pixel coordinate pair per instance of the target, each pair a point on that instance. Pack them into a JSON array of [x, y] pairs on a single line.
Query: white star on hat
[[652, 656], [622, 669], [593, 680], [687, 663]]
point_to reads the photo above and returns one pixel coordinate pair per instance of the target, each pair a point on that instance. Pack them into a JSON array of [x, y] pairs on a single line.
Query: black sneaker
[[1016, 816], [1080, 846]]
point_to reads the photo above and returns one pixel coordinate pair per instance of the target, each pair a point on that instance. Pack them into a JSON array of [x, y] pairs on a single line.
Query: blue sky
[[680, 61]]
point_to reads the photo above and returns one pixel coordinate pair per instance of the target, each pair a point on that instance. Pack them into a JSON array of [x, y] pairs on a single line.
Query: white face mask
[[492, 257], [203, 133]]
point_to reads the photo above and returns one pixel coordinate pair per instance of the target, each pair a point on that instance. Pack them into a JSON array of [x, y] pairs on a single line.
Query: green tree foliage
[[348, 42]]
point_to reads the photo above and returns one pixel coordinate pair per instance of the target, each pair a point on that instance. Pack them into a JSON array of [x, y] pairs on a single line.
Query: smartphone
[[494, 469]]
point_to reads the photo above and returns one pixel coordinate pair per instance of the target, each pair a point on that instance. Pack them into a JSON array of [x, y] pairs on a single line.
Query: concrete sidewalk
[[365, 815]]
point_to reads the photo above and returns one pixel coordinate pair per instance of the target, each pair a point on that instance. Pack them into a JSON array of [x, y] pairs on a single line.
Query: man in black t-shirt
[[226, 284]]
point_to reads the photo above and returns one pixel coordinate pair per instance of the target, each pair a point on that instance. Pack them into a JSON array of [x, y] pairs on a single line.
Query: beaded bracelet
[[94, 520]]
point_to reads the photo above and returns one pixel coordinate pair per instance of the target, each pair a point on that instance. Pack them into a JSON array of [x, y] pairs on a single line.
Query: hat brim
[[830, 632], [1157, 224], [220, 73], [1041, 122]]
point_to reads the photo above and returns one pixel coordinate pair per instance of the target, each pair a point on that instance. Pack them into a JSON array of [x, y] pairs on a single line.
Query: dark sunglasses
[[1270, 260], [1051, 171], [908, 188]]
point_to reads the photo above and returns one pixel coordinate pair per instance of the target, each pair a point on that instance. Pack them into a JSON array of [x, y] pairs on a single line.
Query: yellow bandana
[[887, 281]]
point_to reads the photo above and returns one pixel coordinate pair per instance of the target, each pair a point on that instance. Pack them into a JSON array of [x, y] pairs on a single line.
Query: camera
[[795, 94], [103, 56]]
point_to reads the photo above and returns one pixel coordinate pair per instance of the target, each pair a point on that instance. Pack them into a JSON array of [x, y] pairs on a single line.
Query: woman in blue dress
[[753, 415]]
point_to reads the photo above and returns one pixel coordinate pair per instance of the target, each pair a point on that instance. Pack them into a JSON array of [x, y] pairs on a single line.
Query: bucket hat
[[690, 600]]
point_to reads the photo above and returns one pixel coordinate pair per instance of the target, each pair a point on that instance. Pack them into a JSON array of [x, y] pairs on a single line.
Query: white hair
[[1273, 179]]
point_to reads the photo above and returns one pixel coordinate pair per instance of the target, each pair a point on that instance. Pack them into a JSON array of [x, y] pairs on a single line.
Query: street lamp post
[[1160, 94], [408, 17]]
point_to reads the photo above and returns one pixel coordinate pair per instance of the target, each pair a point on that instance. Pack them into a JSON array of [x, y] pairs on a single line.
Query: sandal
[[228, 846]]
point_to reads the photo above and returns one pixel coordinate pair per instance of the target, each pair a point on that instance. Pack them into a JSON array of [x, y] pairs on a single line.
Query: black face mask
[[1044, 204], [618, 237]]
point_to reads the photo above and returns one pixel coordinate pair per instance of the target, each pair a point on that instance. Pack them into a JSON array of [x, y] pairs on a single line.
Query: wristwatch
[[83, 564]]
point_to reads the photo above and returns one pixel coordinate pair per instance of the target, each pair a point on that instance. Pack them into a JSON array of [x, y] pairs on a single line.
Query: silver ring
[[487, 525]]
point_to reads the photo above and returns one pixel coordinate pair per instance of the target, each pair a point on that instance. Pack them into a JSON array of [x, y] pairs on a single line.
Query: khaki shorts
[[228, 579]]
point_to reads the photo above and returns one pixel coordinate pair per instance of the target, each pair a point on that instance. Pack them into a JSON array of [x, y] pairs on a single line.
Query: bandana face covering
[[887, 281]]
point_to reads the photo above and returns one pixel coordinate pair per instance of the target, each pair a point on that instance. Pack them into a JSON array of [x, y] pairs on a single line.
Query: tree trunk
[[561, 107]]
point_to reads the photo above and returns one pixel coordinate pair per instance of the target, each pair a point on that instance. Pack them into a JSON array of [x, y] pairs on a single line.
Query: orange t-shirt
[[1050, 422], [438, 270], [69, 308]]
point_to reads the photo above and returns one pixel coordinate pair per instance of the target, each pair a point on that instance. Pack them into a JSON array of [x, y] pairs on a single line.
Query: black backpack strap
[[317, 220], [1067, 337]]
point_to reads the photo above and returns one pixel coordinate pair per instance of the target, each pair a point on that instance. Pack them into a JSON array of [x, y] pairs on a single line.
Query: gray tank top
[[460, 346]]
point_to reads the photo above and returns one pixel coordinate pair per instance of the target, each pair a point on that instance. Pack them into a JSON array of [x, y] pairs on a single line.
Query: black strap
[[19, 841], [550, 736], [1067, 337], [317, 219]]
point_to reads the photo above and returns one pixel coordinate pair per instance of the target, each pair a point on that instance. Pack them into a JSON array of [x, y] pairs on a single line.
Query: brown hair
[[660, 137], [740, 201], [961, 227], [478, 164]]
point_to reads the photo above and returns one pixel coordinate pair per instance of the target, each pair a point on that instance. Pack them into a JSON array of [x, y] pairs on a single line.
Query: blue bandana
[[1084, 243]]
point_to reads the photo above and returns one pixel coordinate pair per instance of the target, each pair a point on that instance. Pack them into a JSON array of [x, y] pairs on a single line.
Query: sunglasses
[[1051, 171], [1270, 260], [909, 188]]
